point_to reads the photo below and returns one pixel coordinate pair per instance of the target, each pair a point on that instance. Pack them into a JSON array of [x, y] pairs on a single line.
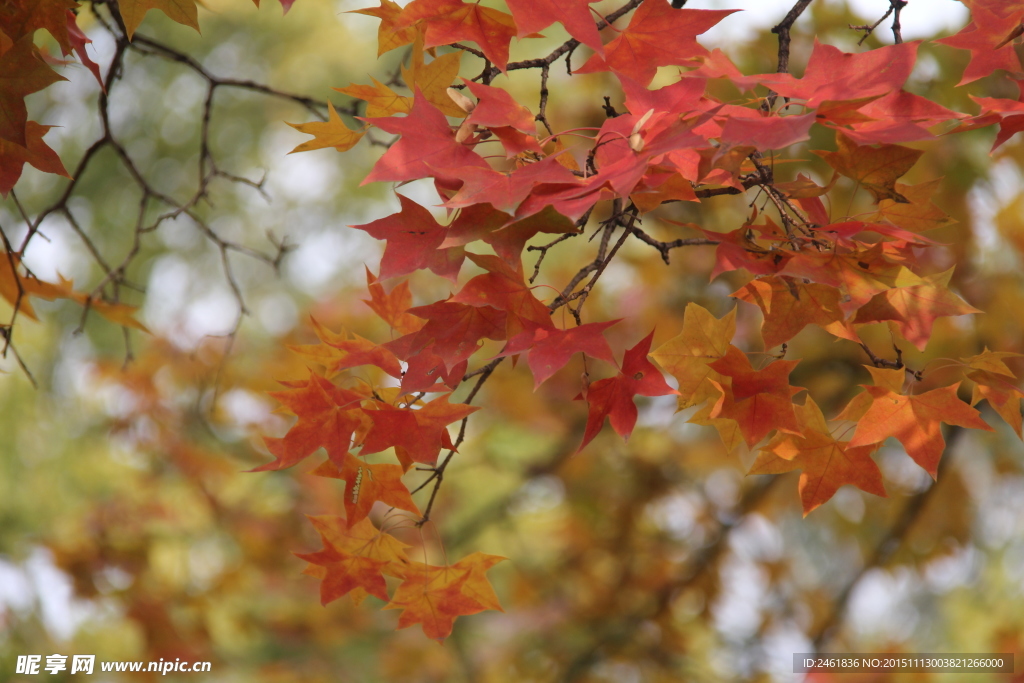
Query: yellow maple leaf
[[182, 11], [703, 340], [380, 99], [918, 213], [330, 133], [388, 37]]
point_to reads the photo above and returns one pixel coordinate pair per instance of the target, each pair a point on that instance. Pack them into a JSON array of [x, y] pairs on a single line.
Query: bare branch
[[894, 5], [782, 31]]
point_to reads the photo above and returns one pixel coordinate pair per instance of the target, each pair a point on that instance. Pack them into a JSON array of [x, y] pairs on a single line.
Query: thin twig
[[894, 5]]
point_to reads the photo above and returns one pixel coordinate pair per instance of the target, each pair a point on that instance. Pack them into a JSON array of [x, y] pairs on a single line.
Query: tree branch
[[782, 31]]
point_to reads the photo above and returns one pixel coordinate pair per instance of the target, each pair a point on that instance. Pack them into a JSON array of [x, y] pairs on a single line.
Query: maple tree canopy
[[574, 253]]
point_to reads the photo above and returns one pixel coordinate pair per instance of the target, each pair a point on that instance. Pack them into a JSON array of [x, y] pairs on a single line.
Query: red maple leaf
[[657, 35], [532, 16], [505, 191], [453, 21], [740, 248], [516, 142], [759, 401], [504, 288], [22, 72], [682, 97], [328, 416], [453, 331], [422, 432], [14, 156], [767, 132], [612, 398], [427, 143], [549, 349], [897, 117], [24, 17], [496, 107], [1009, 114], [506, 235], [989, 39], [832, 74], [78, 41], [413, 241]]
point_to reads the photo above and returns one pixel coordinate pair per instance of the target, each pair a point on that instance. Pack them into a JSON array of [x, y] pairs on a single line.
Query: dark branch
[[782, 31], [894, 5]]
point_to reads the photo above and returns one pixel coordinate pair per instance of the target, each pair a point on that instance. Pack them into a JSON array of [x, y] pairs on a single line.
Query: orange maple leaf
[[354, 559], [328, 416], [918, 213], [388, 36], [365, 484], [1003, 395], [876, 167], [914, 421], [789, 305], [914, 309], [380, 99], [827, 463], [435, 596], [337, 352], [433, 78], [10, 281], [393, 306], [364, 539], [992, 361], [859, 273], [343, 572]]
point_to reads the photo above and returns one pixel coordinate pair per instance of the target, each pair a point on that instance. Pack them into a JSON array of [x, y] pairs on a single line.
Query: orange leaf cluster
[[356, 557]]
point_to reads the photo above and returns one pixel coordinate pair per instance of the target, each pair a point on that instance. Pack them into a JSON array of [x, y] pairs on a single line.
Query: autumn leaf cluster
[[504, 175], [676, 143]]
